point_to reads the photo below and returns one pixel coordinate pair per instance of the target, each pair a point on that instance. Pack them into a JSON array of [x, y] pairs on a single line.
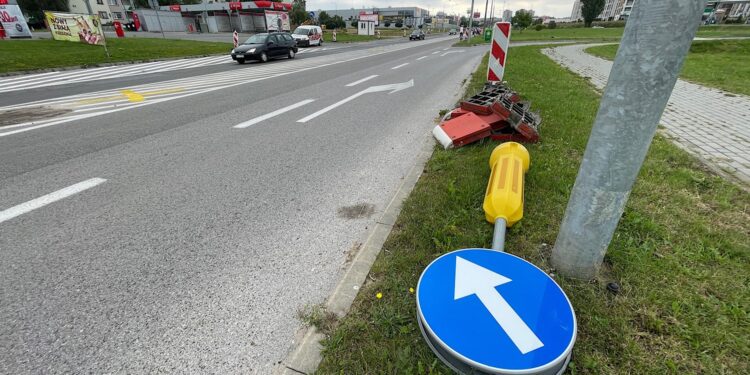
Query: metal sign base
[[456, 365]]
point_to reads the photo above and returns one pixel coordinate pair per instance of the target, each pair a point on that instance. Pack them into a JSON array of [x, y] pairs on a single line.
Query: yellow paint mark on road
[[133, 96], [99, 100], [165, 91]]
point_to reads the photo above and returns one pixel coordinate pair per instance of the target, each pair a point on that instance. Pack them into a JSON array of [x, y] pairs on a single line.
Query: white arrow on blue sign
[[495, 312]]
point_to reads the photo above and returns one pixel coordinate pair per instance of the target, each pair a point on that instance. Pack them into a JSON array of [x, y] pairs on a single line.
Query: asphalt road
[[144, 232]]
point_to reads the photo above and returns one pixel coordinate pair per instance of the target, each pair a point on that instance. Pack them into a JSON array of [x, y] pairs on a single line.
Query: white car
[[308, 35]]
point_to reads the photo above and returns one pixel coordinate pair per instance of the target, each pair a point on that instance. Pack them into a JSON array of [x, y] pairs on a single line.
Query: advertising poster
[[80, 28], [277, 21], [13, 22]]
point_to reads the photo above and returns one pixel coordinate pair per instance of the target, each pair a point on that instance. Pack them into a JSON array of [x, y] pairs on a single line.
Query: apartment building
[[107, 10]]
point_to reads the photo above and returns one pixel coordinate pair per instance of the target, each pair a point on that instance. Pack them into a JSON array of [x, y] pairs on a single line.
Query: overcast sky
[[555, 8]]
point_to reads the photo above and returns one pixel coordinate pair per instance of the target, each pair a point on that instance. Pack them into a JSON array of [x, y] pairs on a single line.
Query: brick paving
[[710, 123]]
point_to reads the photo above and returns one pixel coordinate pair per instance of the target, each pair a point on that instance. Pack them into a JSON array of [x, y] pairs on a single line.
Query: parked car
[[416, 35], [308, 35], [452, 32], [265, 46]]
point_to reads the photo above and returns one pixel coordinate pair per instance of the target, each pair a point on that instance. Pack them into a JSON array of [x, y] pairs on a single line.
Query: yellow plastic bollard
[[504, 197]]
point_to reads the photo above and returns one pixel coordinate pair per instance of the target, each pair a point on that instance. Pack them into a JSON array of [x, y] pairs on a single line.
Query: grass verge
[[606, 34], [712, 63], [20, 55], [346, 38], [681, 251]]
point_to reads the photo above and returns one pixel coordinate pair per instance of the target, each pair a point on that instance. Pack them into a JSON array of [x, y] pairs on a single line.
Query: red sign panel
[[3, 2], [174, 8], [278, 6], [476, 14], [263, 4], [235, 5]]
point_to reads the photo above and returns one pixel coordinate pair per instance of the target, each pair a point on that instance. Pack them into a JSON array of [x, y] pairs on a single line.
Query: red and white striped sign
[[498, 51], [235, 38]]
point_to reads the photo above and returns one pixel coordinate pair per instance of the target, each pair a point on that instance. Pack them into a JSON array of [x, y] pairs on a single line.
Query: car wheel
[[240, 61], [263, 57], [320, 42], [290, 54]]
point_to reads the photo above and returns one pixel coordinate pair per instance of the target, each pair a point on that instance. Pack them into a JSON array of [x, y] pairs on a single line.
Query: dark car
[[265, 46], [416, 35]]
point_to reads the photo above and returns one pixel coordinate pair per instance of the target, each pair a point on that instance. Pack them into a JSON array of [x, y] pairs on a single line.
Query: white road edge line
[[49, 198], [361, 80], [398, 66], [423, 57], [272, 114]]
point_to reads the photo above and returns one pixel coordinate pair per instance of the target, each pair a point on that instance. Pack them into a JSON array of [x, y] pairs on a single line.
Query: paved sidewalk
[[709, 123]]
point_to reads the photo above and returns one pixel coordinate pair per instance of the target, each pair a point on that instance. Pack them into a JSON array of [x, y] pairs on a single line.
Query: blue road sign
[[495, 312], [311, 14]]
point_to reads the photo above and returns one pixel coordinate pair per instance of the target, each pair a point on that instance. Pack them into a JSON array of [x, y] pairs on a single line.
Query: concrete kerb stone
[[306, 356]]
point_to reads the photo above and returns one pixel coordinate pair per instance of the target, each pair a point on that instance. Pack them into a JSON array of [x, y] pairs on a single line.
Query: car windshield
[[256, 39], [415, 32], [301, 31]]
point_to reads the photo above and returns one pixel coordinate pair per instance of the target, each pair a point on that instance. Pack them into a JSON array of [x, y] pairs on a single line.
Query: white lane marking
[[436, 52], [446, 48], [273, 114], [362, 80], [423, 57], [398, 66], [394, 87], [49, 198], [449, 52], [218, 80]]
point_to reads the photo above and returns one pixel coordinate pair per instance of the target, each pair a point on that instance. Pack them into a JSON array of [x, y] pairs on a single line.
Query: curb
[[305, 358]]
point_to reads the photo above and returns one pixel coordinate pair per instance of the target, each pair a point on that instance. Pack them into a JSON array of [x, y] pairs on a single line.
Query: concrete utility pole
[[471, 18], [486, 3], [657, 37]]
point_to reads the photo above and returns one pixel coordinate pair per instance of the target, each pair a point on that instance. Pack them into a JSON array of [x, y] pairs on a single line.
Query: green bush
[[539, 27]]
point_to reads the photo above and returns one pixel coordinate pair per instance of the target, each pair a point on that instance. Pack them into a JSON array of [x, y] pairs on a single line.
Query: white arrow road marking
[[398, 66], [449, 52], [475, 279], [273, 114], [361, 80], [49, 198], [394, 87]]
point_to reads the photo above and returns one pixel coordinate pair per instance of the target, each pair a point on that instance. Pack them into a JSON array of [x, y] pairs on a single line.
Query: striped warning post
[[235, 38], [498, 51]]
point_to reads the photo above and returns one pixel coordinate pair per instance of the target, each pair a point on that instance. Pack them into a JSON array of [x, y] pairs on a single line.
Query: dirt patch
[[358, 211], [21, 115]]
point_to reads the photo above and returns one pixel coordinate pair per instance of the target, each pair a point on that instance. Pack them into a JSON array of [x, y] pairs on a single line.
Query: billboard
[[277, 21], [365, 17], [80, 28], [13, 22]]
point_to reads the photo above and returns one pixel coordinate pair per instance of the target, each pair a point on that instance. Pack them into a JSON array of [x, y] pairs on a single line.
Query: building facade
[[612, 10], [408, 16]]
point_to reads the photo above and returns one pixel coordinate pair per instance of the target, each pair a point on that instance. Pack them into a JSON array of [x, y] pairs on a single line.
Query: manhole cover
[[21, 115]]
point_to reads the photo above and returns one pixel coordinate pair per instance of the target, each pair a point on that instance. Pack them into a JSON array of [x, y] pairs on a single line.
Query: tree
[[35, 8], [387, 23], [298, 15], [590, 9], [323, 18], [522, 19], [552, 25], [335, 22], [463, 22], [355, 23]]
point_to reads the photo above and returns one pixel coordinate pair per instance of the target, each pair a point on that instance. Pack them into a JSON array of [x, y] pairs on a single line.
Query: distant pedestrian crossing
[[32, 81]]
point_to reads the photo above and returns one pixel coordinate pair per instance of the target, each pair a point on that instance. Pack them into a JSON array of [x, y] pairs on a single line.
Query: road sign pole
[[657, 37], [498, 238], [471, 20]]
